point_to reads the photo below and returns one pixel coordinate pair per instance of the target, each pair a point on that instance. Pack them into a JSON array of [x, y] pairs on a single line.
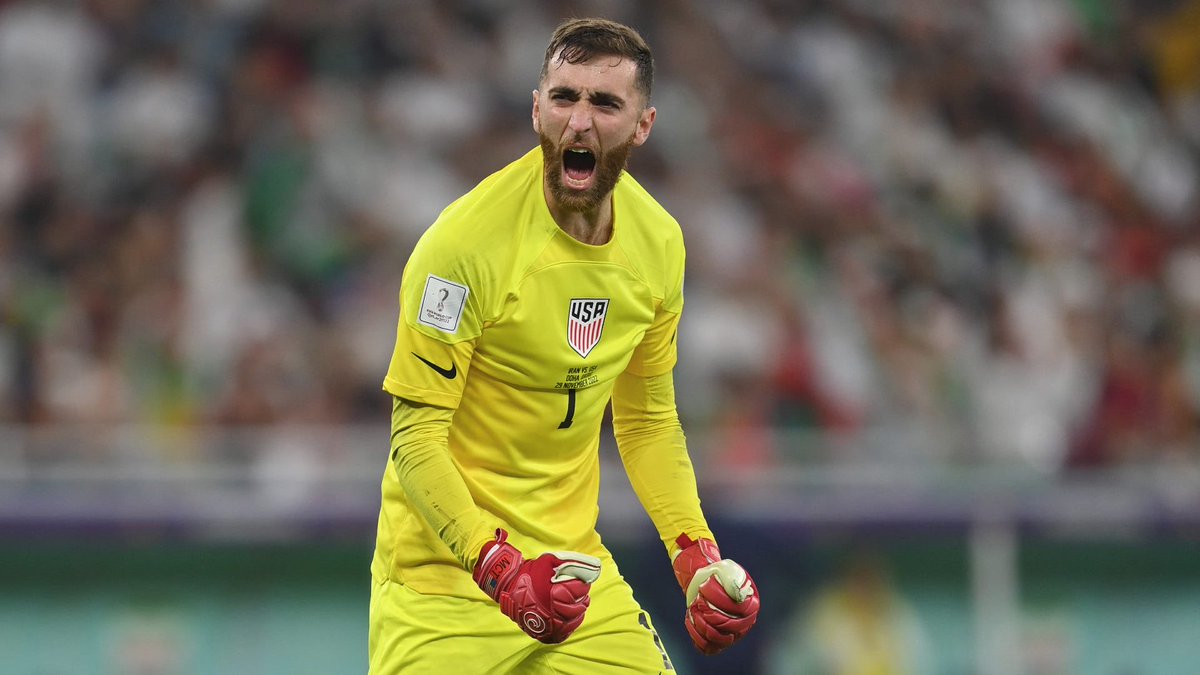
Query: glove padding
[[722, 600], [547, 596]]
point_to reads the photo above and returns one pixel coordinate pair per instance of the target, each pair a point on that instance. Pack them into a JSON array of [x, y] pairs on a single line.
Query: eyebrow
[[598, 97]]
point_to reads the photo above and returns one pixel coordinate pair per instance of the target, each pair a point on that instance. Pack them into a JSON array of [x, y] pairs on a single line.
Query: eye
[[610, 103]]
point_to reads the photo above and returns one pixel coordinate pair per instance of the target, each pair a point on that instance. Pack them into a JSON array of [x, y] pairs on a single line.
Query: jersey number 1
[[570, 410]]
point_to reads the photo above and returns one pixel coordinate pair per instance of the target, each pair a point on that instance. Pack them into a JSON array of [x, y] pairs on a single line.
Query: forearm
[[431, 481], [654, 450]]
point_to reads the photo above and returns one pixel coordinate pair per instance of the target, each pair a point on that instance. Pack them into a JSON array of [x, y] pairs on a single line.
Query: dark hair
[[577, 40]]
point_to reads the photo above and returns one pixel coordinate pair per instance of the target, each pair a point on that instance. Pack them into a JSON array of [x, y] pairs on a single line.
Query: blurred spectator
[[857, 624], [941, 231]]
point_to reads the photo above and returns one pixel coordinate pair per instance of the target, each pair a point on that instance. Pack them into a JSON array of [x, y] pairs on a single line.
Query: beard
[[608, 170]]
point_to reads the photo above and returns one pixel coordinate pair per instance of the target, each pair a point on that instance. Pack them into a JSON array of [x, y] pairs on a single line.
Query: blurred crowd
[[956, 230]]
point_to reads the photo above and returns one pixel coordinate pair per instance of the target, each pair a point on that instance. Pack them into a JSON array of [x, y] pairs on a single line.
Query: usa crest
[[585, 324]]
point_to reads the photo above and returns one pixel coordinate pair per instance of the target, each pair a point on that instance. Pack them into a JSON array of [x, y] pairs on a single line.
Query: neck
[[593, 226]]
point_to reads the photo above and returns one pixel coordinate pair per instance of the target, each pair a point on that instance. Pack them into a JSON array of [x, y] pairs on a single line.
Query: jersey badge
[[585, 323], [442, 304]]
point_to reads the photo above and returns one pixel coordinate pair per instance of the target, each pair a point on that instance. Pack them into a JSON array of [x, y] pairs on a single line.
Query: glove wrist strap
[[693, 556], [498, 562]]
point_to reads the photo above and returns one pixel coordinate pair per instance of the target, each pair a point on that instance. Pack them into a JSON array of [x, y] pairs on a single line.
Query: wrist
[[498, 563], [693, 555]]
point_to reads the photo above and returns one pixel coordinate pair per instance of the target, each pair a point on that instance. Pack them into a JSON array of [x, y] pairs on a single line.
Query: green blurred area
[[98, 608], [66, 608]]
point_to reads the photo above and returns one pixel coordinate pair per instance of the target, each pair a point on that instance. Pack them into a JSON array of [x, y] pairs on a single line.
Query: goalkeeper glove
[[546, 596], [722, 600]]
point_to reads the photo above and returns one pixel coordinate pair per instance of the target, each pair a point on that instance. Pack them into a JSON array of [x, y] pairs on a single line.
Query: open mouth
[[578, 164]]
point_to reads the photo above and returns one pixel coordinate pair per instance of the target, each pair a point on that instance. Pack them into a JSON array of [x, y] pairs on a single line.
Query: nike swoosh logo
[[448, 373]]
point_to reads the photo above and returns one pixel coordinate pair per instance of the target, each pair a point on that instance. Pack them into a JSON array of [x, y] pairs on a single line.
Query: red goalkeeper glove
[[722, 600], [546, 596]]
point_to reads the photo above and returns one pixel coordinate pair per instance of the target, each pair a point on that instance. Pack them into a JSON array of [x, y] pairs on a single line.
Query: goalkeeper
[[550, 289]]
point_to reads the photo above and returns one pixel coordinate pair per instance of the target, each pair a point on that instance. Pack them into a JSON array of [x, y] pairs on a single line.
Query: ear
[[645, 122], [537, 125]]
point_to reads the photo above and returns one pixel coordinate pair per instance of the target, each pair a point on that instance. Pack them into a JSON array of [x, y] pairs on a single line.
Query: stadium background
[[940, 364]]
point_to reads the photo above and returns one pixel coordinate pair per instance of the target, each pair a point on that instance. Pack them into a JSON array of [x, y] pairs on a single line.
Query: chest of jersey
[[567, 325]]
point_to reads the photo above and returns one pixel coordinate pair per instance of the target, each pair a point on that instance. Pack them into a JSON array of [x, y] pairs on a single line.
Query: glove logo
[[534, 625]]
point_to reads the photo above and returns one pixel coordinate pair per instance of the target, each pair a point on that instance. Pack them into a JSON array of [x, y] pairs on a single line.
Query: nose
[[581, 118]]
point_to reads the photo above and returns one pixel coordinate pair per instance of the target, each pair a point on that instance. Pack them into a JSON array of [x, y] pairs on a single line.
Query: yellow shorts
[[433, 634]]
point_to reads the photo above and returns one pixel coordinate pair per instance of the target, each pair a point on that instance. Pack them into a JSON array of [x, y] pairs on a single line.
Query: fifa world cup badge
[[442, 304]]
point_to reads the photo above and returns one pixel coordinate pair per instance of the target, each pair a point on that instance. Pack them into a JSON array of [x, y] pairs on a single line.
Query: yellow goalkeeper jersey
[[522, 330]]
